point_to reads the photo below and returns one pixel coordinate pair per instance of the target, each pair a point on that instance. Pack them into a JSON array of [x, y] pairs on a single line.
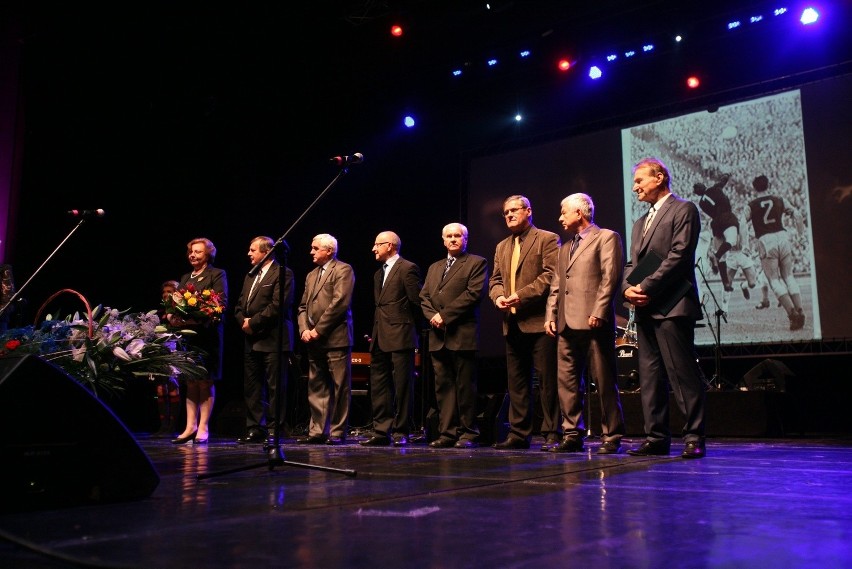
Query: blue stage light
[[809, 16]]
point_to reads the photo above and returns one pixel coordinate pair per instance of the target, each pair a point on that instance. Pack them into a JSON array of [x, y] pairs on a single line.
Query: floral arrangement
[[103, 350], [189, 303]]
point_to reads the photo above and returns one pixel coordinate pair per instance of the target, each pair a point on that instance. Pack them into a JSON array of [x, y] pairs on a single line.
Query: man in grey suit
[[581, 311], [325, 326], [667, 308], [450, 299], [396, 289], [524, 264], [263, 321]]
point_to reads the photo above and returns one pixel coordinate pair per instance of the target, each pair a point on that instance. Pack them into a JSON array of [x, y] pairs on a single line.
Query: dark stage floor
[[751, 503]]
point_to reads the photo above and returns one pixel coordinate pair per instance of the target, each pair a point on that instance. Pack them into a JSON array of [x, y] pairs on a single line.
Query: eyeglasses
[[382, 243], [512, 211]]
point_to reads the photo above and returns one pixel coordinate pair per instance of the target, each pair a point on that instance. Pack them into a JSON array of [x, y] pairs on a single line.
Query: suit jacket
[[457, 298], [397, 307], [536, 267], [327, 306], [673, 235], [209, 337], [262, 309], [587, 284]]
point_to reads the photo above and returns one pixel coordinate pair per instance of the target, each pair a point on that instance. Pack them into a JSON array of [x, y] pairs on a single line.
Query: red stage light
[[396, 30], [693, 82], [564, 64]]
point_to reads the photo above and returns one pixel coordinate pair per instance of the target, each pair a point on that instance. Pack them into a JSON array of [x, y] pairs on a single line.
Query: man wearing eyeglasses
[[396, 289], [524, 264]]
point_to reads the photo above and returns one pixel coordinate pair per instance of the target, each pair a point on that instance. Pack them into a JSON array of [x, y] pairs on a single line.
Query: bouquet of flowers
[[189, 303], [102, 352]]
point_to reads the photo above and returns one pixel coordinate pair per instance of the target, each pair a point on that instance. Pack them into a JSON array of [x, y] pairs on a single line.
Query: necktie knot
[[574, 243], [450, 262], [649, 218]]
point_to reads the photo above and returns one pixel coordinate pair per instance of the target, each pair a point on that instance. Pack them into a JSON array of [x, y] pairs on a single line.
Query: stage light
[[457, 72], [734, 25], [809, 16], [629, 53], [648, 47], [518, 117], [491, 62], [678, 38], [408, 121], [525, 53], [396, 30], [693, 82], [612, 57], [595, 72], [564, 64]]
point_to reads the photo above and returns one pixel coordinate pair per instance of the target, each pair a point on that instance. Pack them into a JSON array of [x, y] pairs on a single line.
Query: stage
[[750, 503]]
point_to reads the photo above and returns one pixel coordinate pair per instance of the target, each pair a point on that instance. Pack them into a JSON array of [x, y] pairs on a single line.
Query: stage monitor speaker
[[60, 446], [768, 375]]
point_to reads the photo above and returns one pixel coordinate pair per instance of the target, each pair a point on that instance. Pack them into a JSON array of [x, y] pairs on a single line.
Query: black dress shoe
[[184, 440], [252, 437], [376, 441], [333, 441], [311, 440], [652, 448], [400, 440], [694, 449], [512, 443], [442, 443], [568, 444], [610, 447], [466, 443], [549, 443]]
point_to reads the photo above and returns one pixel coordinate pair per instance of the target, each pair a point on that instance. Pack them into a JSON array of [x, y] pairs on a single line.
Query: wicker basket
[[78, 295]]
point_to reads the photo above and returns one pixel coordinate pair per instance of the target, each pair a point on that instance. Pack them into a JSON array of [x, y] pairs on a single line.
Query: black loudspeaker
[[768, 375], [60, 446]]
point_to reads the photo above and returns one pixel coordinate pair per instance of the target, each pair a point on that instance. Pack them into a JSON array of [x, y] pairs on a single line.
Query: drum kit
[[627, 353]]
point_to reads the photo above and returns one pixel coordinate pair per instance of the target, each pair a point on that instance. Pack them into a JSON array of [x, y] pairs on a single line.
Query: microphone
[[341, 161], [86, 213]]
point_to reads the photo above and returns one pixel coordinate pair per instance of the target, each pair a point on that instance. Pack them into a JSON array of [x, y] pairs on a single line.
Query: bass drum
[[625, 336], [627, 365]]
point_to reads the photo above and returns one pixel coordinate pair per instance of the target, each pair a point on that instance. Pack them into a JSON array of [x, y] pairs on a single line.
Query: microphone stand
[[717, 381], [49, 257], [274, 454]]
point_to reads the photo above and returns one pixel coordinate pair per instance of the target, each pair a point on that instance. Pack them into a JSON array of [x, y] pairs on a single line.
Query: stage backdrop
[[796, 138]]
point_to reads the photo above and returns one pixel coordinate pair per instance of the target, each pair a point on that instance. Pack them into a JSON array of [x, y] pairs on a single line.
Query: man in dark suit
[[396, 289], [262, 319], [524, 264], [665, 314], [325, 326], [450, 299], [581, 310]]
